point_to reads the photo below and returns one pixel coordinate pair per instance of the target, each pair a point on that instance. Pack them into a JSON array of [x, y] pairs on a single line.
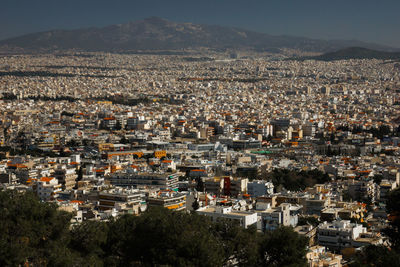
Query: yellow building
[[318, 257], [160, 153]]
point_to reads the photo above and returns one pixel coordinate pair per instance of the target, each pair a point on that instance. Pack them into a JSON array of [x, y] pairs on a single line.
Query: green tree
[[240, 245], [283, 247], [32, 231], [124, 140], [89, 240], [118, 126], [376, 256], [393, 209], [87, 142], [39, 234], [378, 178], [72, 143], [121, 240], [199, 184], [79, 172], [163, 237], [195, 205], [296, 180]]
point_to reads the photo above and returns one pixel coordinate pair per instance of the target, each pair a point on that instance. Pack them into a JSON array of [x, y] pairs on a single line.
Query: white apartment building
[[47, 188], [244, 218], [339, 234], [258, 188], [272, 218]]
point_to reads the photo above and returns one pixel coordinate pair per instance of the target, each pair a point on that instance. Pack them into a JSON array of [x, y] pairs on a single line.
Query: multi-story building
[[66, 176], [168, 199], [159, 180], [385, 187], [121, 199], [361, 190], [234, 186], [316, 205], [271, 200], [317, 256], [24, 174], [272, 218], [309, 129], [339, 234], [245, 144], [47, 188], [109, 122], [258, 188], [214, 185], [244, 218]]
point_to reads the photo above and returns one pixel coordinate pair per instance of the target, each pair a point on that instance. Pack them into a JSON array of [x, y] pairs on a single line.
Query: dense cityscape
[[264, 142]]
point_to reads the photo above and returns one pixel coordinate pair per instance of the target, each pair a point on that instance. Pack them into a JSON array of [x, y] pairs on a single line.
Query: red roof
[[46, 179]]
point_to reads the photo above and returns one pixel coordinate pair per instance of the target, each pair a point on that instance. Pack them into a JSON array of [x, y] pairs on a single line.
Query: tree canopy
[[32, 231], [393, 209], [295, 180], [38, 233]]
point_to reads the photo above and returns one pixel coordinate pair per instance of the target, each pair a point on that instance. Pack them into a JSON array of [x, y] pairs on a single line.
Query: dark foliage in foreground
[[40, 234]]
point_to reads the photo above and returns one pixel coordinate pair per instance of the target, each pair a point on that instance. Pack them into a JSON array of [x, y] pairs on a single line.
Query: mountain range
[[357, 53], [160, 34]]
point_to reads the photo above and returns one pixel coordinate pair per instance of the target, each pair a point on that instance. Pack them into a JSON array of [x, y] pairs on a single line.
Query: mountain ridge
[[356, 53], [160, 34]]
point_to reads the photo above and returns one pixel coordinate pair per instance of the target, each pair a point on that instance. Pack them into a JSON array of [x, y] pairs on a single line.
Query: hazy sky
[[367, 20]]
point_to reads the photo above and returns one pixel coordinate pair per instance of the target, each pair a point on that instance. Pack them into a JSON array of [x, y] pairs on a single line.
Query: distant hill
[[357, 53], [160, 34]]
